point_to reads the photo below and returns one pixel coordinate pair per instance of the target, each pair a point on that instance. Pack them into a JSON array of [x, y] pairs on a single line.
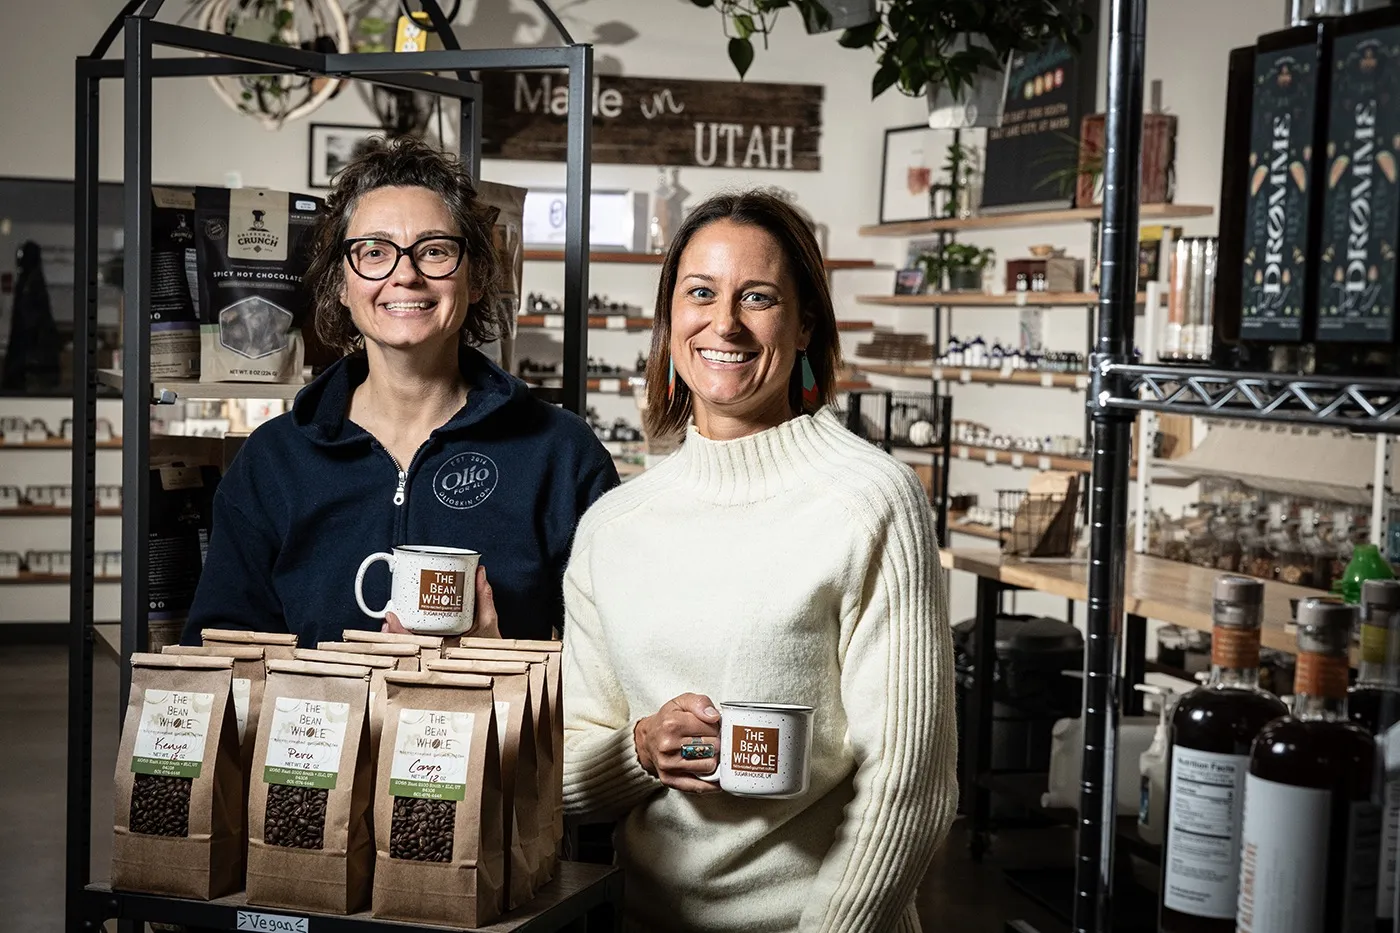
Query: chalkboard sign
[[1031, 156]]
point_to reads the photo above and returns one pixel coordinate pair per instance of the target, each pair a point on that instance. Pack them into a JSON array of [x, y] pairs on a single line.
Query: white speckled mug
[[765, 749], [433, 590]]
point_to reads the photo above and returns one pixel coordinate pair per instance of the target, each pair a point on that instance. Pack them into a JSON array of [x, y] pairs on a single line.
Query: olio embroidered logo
[[466, 480]]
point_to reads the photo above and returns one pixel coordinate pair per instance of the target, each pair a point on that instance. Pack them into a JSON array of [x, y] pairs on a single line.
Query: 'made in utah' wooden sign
[[657, 121]]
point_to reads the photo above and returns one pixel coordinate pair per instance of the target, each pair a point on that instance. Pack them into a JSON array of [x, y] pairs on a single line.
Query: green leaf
[[860, 37], [282, 20], [885, 77], [743, 25], [741, 54]]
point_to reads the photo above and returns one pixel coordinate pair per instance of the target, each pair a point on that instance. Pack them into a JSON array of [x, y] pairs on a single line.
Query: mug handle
[[713, 777], [360, 584]]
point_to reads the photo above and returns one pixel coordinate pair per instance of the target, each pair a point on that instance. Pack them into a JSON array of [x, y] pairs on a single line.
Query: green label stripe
[[164, 767], [427, 790], [325, 780]]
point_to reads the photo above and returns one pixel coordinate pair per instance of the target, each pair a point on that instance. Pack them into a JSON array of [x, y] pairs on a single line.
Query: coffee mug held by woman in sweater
[[763, 750], [774, 555]]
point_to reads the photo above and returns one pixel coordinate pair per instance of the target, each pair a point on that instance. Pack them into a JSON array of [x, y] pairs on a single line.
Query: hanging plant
[[316, 25], [921, 45]]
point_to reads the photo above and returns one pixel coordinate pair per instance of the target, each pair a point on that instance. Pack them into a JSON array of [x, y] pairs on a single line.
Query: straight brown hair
[[769, 212]]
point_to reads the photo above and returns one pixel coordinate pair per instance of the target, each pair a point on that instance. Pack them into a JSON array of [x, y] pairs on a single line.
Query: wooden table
[[1153, 588], [1180, 594]]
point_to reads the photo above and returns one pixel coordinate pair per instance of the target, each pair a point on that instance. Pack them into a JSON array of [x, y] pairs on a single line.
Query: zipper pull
[[399, 492]]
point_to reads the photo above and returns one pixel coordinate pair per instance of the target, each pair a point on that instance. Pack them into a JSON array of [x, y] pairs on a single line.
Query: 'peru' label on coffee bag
[[170, 738], [304, 742], [430, 754], [1361, 213], [1280, 172]]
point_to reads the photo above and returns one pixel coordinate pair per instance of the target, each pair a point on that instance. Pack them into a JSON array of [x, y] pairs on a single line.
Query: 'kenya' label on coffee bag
[[170, 738], [430, 754], [304, 742]]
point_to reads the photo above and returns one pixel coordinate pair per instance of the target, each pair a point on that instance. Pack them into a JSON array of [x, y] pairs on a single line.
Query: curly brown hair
[[405, 162], [669, 413]]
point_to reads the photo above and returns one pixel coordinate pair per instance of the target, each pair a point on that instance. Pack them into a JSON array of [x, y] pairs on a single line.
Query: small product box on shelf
[[37, 432], [10, 497], [10, 562], [1357, 285], [109, 497], [40, 562], [13, 431], [39, 495]]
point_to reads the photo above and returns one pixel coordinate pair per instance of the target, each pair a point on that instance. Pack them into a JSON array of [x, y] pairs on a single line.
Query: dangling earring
[[671, 383], [811, 395]]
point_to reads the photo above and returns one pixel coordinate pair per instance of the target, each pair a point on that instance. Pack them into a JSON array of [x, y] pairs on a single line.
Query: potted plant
[[962, 264], [952, 51]]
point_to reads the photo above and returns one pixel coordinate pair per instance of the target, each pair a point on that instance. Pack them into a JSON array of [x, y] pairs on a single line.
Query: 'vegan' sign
[[657, 121]]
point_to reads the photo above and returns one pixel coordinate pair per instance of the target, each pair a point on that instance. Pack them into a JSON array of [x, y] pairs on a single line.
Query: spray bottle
[[1152, 765]]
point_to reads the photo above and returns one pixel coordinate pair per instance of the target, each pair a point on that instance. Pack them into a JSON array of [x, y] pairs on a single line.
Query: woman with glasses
[[414, 437]]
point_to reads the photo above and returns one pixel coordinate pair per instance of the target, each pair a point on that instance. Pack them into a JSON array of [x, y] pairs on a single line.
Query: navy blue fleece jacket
[[311, 494]]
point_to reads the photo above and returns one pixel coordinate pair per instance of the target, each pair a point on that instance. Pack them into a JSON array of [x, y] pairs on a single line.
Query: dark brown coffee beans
[[421, 830], [160, 806], [296, 816]]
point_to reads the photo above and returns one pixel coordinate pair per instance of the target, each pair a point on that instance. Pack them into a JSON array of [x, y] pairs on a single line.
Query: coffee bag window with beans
[[309, 832], [179, 781], [438, 801]]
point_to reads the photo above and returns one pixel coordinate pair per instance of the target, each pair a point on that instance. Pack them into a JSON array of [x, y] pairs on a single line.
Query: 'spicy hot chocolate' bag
[[179, 787], [277, 646], [437, 806], [310, 844], [529, 840]]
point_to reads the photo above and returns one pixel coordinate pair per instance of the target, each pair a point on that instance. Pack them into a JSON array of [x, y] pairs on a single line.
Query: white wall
[[197, 140]]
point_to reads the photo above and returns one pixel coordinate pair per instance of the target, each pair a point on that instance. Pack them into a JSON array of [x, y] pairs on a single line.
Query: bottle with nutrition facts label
[[1212, 731]]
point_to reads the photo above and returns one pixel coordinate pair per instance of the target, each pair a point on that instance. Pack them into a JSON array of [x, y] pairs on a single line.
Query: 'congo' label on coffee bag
[[754, 750], [170, 738], [430, 754], [304, 742]]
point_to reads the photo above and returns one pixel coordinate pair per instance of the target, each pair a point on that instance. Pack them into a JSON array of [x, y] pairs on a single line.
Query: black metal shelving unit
[[210, 54], [1119, 388]]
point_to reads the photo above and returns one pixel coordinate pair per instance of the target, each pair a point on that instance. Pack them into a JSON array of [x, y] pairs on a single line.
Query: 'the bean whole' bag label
[[170, 738], [304, 742], [430, 754]]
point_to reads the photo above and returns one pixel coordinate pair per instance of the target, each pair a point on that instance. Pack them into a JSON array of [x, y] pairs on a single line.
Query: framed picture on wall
[[333, 146], [910, 171]]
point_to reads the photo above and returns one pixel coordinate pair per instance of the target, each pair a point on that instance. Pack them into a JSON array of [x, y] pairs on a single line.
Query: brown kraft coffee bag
[[405, 656], [545, 674], [179, 788], [310, 844], [277, 646], [437, 808], [527, 830], [378, 666], [429, 646]]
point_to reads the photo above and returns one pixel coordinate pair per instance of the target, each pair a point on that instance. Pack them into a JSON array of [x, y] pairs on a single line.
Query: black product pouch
[[254, 248], [174, 315], [182, 510]]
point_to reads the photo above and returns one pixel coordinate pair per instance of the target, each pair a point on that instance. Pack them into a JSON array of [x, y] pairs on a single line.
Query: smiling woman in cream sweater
[[776, 557]]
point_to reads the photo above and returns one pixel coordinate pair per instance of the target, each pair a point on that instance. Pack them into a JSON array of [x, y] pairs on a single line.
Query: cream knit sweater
[[797, 565]]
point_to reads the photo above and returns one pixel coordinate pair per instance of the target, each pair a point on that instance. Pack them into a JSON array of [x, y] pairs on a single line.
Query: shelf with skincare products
[[655, 259], [1028, 219], [983, 300]]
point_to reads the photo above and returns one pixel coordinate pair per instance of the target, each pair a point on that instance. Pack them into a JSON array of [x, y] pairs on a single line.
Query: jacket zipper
[[401, 488]]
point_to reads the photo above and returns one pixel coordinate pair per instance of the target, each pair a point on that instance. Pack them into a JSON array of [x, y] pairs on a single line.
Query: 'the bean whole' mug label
[[170, 738], [754, 750], [304, 742], [441, 591], [430, 754], [270, 923]]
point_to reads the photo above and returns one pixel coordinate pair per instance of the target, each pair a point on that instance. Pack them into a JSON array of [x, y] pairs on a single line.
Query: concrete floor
[[957, 894]]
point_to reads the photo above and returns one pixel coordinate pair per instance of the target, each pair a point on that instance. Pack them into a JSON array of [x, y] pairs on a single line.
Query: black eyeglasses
[[433, 257]]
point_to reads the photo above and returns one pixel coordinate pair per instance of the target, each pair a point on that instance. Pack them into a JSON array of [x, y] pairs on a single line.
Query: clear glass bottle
[[1212, 730], [1374, 705]]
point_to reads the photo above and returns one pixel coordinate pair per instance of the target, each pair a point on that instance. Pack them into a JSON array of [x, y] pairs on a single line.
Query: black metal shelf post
[[220, 55]]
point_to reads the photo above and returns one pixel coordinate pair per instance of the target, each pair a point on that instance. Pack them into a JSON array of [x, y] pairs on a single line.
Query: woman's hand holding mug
[[487, 624], [688, 720]]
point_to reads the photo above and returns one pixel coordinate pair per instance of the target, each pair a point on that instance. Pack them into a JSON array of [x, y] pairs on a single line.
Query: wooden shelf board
[[972, 528], [595, 322], [58, 443], [194, 389], [855, 325], [50, 511], [982, 300], [654, 259], [26, 578], [1022, 377], [1020, 458], [1030, 219]]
